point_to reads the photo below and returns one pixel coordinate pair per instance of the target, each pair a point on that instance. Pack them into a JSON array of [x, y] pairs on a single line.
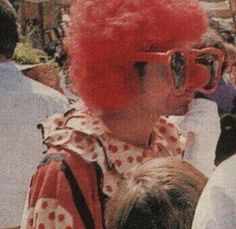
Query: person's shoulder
[[219, 193], [49, 97], [223, 176], [34, 87], [43, 90]]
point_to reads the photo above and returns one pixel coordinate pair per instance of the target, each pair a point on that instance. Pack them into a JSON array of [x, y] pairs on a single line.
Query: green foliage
[[26, 54]]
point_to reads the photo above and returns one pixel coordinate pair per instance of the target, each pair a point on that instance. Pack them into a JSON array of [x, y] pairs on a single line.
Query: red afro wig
[[104, 34]]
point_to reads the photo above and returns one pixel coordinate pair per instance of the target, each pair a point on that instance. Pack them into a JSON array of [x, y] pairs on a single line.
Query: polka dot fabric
[[53, 199], [168, 135], [48, 214], [86, 135]]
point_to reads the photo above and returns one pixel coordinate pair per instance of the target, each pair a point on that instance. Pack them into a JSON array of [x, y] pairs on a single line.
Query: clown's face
[[157, 96]]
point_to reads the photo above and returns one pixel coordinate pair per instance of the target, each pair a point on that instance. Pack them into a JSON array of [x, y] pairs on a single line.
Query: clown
[[131, 62]]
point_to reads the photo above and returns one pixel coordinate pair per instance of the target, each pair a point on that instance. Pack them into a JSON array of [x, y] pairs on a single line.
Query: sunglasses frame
[[190, 57]]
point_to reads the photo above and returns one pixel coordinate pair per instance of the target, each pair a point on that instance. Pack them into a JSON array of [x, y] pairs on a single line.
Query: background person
[[161, 193], [24, 103], [217, 205]]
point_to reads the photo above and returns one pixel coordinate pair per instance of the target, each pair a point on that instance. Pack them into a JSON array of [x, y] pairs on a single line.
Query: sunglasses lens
[[178, 63], [213, 64]]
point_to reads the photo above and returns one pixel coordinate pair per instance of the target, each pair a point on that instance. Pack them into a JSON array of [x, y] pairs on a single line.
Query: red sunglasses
[[179, 62]]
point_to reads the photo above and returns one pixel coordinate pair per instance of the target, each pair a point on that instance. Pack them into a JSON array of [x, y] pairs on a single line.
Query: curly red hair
[[104, 34]]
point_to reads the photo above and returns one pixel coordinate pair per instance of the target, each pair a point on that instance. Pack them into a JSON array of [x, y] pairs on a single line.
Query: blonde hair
[[161, 193]]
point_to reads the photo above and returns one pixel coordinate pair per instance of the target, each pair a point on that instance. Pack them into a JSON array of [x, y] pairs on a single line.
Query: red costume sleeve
[[63, 194]]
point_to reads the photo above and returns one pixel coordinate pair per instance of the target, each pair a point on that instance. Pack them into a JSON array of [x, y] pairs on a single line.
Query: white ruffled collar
[[86, 135]]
